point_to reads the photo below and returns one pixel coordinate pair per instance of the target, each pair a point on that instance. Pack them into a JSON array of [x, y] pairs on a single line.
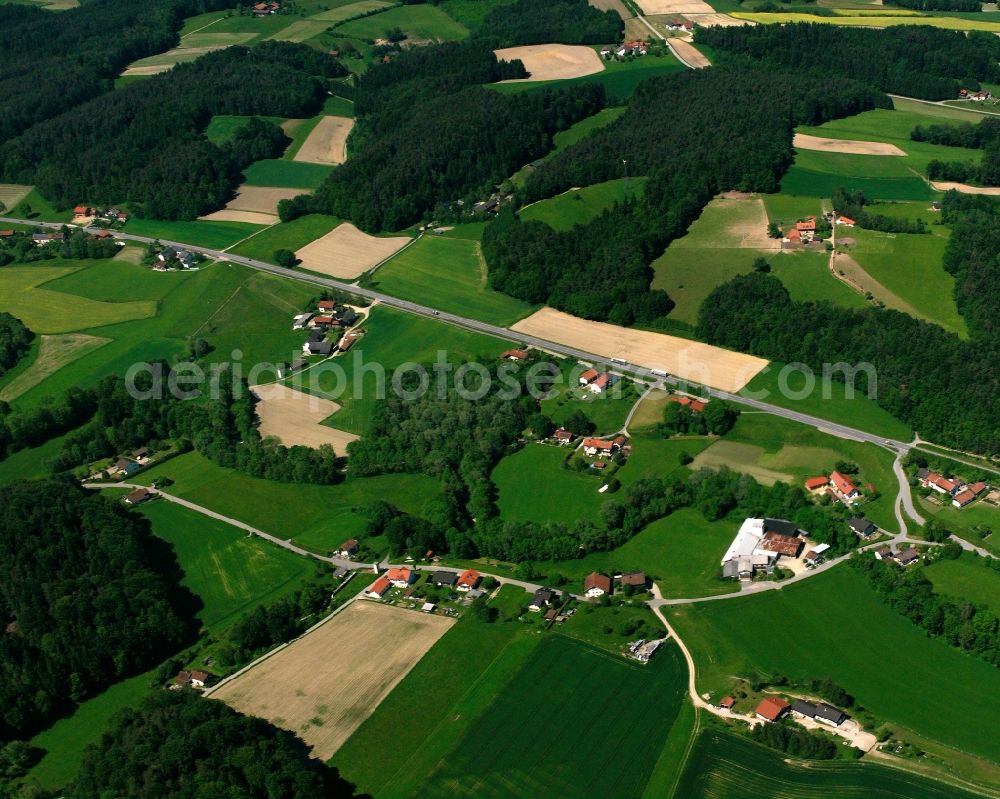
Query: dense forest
[[15, 341], [852, 204], [144, 143], [916, 61], [428, 133], [970, 627], [543, 21], [694, 134], [87, 596], [982, 136], [52, 62], [795, 741], [176, 745], [21, 248], [939, 5], [108, 419]]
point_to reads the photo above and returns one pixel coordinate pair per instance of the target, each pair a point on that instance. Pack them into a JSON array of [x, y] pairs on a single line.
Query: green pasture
[[471, 13], [970, 523], [834, 625], [230, 571], [579, 206], [316, 517], [968, 579], [450, 274], [286, 236], [35, 206], [29, 464], [224, 127], [608, 410], [807, 277], [418, 22], [722, 765], [351, 9], [214, 235], [361, 377], [809, 183], [537, 735], [283, 174], [774, 449]]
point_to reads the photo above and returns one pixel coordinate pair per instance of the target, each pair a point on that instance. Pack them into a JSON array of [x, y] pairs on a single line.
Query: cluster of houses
[[774, 708], [196, 678], [263, 9], [903, 557], [328, 315], [961, 494], [597, 382], [758, 545], [125, 465], [111, 215], [838, 486], [979, 96], [596, 585], [466, 582], [624, 50], [604, 447], [803, 233], [171, 258], [692, 404]]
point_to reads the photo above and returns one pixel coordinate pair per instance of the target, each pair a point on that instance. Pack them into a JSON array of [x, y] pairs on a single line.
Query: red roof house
[[597, 446], [816, 483], [468, 580], [596, 584], [378, 588], [401, 577], [808, 226], [588, 376], [727, 703], [772, 708], [844, 485], [514, 355]]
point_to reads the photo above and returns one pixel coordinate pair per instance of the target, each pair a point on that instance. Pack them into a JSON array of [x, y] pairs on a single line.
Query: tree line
[[144, 144], [984, 135], [542, 21], [851, 203], [87, 596], [913, 60], [939, 5], [694, 134], [76, 244], [973, 628], [15, 341], [795, 741], [428, 133]]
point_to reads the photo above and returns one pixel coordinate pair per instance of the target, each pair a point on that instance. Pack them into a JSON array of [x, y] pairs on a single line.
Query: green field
[[283, 174], [29, 464], [222, 128], [969, 578], [449, 274], [286, 236], [539, 737], [316, 517], [967, 522], [37, 207], [809, 183], [833, 625], [580, 206], [471, 13], [394, 338], [771, 448], [214, 235], [873, 21], [418, 22], [858, 411], [607, 411], [807, 277], [230, 572], [726, 766]]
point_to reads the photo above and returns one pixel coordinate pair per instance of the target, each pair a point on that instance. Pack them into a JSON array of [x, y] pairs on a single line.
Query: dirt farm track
[[325, 684]]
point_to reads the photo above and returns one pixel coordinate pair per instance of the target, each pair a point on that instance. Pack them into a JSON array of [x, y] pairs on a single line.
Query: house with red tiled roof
[[727, 702], [514, 355], [322, 321], [468, 580], [563, 436], [326, 306], [772, 708], [814, 484], [806, 226], [845, 220], [598, 446], [377, 589], [596, 584], [695, 405], [937, 482], [588, 376], [601, 383], [401, 576], [844, 486]]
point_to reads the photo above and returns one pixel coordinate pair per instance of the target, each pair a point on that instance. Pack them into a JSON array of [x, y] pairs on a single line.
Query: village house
[[758, 545], [968, 494], [42, 239], [595, 585], [680, 25], [598, 446], [141, 455], [444, 577], [321, 321], [326, 306], [726, 703], [377, 589], [126, 467], [937, 482], [401, 576], [138, 496], [349, 548], [588, 376], [815, 485], [318, 347], [201, 679], [883, 553], [345, 316], [806, 229], [83, 210], [636, 580], [541, 599], [347, 341], [301, 320], [6, 234], [263, 9], [468, 580], [814, 556], [694, 405], [772, 708], [844, 220], [862, 526], [906, 556], [844, 487], [601, 383], [787, 545], [514, 355], [822, 712], [563, 436]]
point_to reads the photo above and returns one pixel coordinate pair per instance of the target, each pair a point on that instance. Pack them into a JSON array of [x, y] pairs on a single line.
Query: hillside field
[[967, 579]]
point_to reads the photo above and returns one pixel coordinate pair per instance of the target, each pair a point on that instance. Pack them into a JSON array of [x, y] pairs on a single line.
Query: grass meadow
[[419, 22], [224, 127], [722, 765], [230, 572], [214, 235], [968, 523], [833, 625], [580, 206], [872, 21], [450, 274], [282, 174], [286, 236], [969, 578]]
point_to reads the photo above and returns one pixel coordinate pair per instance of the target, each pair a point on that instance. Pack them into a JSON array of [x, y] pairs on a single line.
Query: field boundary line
[[196, 30], [255, 233], [279, 648]]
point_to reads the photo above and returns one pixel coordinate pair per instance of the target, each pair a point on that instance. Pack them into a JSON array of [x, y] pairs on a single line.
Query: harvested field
[[750, 227], [54, 352], [253, 217], [717, 20], [347, 252], [553, 61], [295, 418], [12, 193], [803, 141], [689, 360], [613, 5], [324, 685], [689, 54], [154, 65], [327, 143], [675, 7], [262, 199], [964, 188]]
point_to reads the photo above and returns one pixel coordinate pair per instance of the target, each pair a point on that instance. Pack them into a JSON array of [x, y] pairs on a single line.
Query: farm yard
[[554, 61], [449, 274], [323, 685], [725, 640], [689, 360], [294, 418], [347, 253]]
